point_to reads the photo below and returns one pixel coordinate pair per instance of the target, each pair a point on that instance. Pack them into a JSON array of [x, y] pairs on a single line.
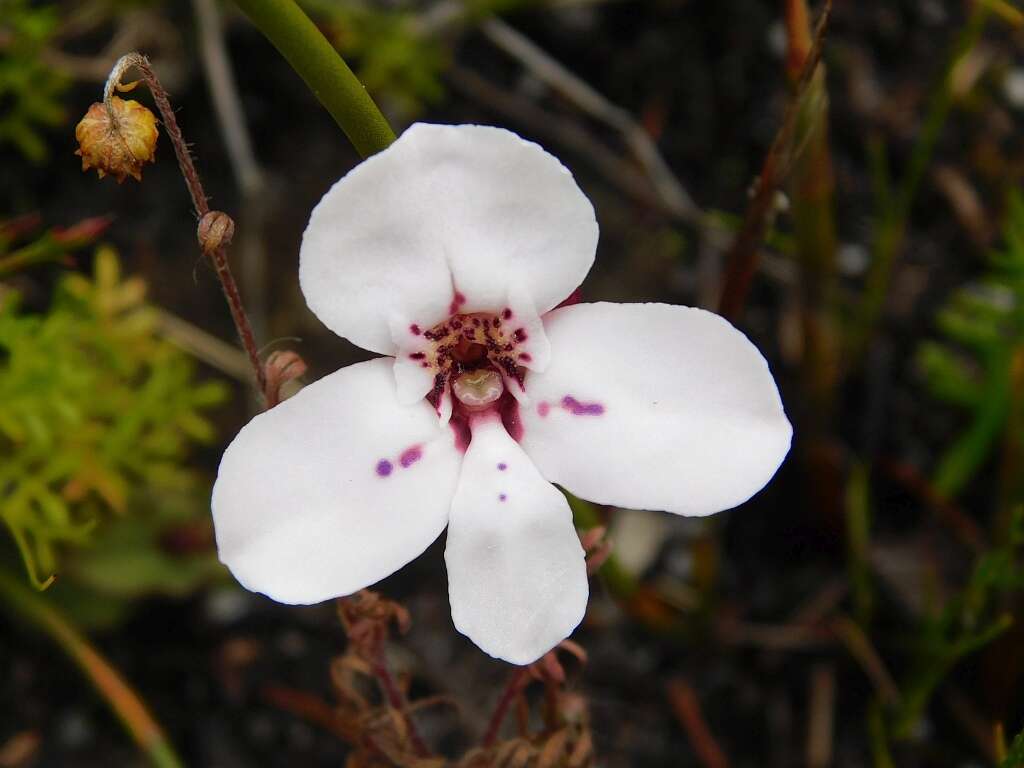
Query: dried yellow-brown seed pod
[[118, 140]]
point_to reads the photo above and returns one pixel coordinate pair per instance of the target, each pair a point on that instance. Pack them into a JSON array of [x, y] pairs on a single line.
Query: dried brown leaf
[[553, 751]]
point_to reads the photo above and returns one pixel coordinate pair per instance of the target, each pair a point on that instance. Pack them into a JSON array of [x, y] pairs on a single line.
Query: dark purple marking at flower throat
[[384, 467]]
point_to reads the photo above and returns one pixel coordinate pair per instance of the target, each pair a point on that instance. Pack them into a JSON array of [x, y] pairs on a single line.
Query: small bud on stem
[[215, 230], [110, 149], [282, 366]]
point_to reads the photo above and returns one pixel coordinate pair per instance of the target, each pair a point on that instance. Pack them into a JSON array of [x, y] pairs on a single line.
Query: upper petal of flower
[[652, 406], [448, 219], [517, 579], [333, 489]]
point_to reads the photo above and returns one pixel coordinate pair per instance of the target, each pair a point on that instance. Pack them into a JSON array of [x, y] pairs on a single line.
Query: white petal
[[653, 406], [333, 489], [517, 579], [446, 218], [529, 327], [413, 380]]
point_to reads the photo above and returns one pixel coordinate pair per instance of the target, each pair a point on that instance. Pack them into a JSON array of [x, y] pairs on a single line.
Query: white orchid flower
[[449, 252]]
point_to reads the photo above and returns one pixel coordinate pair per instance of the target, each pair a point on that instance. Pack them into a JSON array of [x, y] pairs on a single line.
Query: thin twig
[[115, 690], [860, 647], [975, 725], [743, 256], [227, 104], [821, 725], [315, 710], [226, 358], [218, 254], [686, 708], [396, 700], [551, 127], [516, 682], [547, 69]]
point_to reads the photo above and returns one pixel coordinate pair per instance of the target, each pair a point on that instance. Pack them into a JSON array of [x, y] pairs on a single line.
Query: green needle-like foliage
[[972, 619], [983, 326], [96, 412]]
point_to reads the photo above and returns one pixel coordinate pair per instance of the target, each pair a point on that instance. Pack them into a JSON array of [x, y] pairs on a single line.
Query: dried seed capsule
[[118, 139]]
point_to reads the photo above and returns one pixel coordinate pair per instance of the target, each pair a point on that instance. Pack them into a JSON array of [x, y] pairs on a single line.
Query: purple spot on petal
[[384, 467], [506, 313], [418, 355], [576, 408], [410, 456], [542, 409], [414, 329], [502, 466], [520, 335], [502, 497]]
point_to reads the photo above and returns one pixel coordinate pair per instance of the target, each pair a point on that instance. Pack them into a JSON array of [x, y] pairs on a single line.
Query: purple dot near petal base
[[410, 456], [502, 497], [502, 466], [384, 468]]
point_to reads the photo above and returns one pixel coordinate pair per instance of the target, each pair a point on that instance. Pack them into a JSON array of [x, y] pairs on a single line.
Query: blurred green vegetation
[[31, 91], [966, 622], [971, 367], [98, 417], [393, 57]]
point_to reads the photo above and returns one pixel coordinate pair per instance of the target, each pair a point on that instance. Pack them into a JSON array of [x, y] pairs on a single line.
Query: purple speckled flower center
[[469, 343]]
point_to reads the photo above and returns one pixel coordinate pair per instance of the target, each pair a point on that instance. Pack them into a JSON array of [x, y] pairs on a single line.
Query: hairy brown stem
[[515, 685], [217, 254]]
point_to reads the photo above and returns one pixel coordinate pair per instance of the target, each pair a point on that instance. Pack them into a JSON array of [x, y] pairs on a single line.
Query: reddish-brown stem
[[686, 708], [217, 255], [315, 710], [743, 256], [396, 699], [515, 685], [798, 35]]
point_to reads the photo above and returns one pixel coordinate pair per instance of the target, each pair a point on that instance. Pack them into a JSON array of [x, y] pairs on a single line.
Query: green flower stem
[[325, 72], [126, 704]]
